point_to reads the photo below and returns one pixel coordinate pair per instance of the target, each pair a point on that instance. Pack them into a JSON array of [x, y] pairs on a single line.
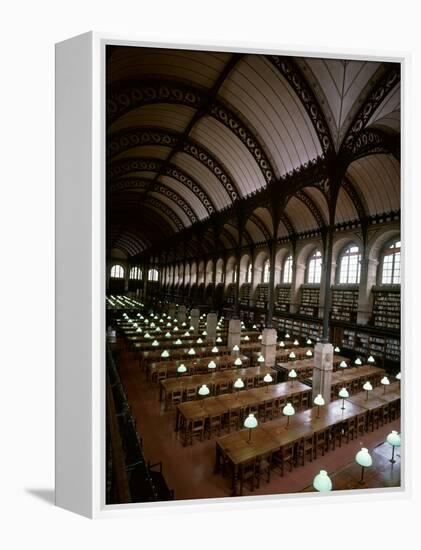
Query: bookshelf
[[245, 294], [282, 298], [387, 307], [230, 294], [344, 304], [309, 301], [365, 343], [262, 296]]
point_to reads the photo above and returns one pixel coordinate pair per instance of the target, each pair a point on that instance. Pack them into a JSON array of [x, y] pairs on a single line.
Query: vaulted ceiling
[[192, 136]]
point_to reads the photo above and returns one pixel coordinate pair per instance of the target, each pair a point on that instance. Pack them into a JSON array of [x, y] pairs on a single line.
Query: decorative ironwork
[[128, 183], [370, 142], [257, 221], [125, 166], [167, 211], [226, 117], [175, 197], [126, 96], [205, 157], [123, 141], [286, 221], [290, 71], [303, 197], [376, 97], [355, 198]]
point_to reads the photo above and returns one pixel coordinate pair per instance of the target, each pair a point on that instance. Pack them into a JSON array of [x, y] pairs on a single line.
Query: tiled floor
[[189, 470]]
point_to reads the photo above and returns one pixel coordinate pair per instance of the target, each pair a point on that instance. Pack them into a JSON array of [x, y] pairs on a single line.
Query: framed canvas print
[[229, 267]]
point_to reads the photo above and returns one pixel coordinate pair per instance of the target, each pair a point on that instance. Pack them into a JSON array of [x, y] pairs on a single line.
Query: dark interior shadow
[[47, 495]]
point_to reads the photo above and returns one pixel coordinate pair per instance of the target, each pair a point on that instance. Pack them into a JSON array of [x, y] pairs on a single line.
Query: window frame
[[287, 259], [266, 263], [313, 258], [387, 250], [344, 254], [120, 267], [137, 270], [153, 270]]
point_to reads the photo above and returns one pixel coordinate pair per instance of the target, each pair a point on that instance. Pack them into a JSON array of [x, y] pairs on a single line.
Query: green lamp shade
[[238, 384], [204, 390], [288, 410], [322, 482], [363, 458], [318, 400], [394, 439], [250, 422]]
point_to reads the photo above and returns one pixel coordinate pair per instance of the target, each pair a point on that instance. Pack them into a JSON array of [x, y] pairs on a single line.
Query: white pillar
[[234, 333], [171, 310], [269, 346], [323, 286], [181, 313], [194, 319], [211, 321], [368, 277], [296, 283], [322, 372]]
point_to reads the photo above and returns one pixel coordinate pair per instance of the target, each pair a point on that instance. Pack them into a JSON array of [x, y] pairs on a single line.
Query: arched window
[[234, 274], [314, 268], [135, 273], [153, 275], [349, 267], [266, 271], [249, 273], [287, 270], [391, 265], [117, 271]]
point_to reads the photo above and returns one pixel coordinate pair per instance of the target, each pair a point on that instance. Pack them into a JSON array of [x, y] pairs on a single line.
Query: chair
[[375, 419], [263, 467], [176, 397], [249, 382], [361, 424], [197, 429], [350, 429], [268, 410], [305, 447], [385, 414], [159, 374], [296, 401], [222, 387], [305, 400], [334, 435], [284, 456], [233, 418], [320, 439], [214, 424], [191, 394], [247, 471]]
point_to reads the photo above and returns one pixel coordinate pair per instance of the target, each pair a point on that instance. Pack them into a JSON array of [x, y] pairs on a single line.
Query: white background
[[29, 30]]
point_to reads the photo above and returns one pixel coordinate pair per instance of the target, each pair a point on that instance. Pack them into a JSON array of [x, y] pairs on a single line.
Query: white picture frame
[[80, 280]]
